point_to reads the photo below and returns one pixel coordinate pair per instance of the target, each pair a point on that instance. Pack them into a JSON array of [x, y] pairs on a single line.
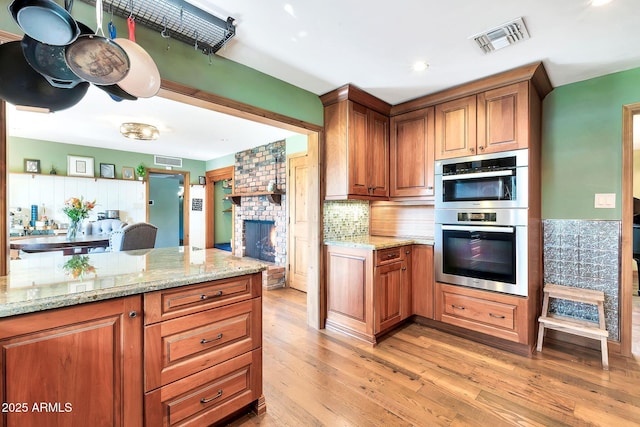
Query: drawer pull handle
[[497, 316], [205, 400], [205, 296], [206, 341], [457, 307]]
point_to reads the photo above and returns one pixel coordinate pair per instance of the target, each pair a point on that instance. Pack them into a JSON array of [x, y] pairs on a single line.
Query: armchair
[[140, 235]]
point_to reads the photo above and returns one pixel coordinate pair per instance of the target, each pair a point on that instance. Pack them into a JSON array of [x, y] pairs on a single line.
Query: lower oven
[[482, 248]]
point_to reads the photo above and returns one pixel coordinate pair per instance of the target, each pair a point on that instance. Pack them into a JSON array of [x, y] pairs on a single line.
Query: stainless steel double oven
[[481, 222]]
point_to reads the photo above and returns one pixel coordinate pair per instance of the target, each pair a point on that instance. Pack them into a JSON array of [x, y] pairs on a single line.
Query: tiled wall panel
[[584, 254]]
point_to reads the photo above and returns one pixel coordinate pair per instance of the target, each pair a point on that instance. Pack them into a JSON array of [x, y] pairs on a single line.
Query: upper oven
[[497, 180]]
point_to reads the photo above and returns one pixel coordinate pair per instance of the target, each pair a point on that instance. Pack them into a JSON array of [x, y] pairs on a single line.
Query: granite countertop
[[46, 280], [378, 242]]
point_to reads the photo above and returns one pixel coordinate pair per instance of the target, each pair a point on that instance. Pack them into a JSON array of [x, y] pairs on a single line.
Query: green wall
[[55, 154], [582, 145], [182, 64]]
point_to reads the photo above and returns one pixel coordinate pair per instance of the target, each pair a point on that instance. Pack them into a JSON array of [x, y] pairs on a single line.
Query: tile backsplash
[[345, 219], [584, 254]]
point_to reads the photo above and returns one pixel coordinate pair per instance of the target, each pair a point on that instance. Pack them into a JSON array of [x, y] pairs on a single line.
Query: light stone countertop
[[40, 281], [378, 242]]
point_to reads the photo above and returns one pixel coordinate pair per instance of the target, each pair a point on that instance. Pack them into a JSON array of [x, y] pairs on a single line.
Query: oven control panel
[[477, 216]]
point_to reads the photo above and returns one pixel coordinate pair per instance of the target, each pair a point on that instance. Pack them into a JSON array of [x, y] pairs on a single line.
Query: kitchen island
[[166, 336]]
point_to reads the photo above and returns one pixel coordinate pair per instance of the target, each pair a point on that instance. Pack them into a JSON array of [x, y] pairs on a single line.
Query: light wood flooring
[[422, 377]]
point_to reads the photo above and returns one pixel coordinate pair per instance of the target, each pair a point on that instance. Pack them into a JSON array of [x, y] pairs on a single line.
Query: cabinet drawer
[[386, 256], [180, 347], [172, 303], [480, 310], [208, 396]]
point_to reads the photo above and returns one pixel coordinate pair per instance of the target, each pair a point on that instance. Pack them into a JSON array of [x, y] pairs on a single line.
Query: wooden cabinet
[[422, 280], [356, 145], [368, 292], [392, 287], [71, 365], [489, 122], [203, 351], [498, 315], [412, 154], [349, 276]]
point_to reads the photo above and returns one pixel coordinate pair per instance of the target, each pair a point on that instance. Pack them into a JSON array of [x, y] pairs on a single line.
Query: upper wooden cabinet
[[489, 122], [356, 145], [412, 154]]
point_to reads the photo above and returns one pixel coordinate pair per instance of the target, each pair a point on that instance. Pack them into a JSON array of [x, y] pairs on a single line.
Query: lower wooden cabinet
[[368, 292], [203, 352], [208, 396], [422, 280], [73, 366], [498, 315]]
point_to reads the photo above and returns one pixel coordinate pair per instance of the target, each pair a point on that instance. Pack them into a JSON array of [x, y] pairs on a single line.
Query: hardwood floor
[[422, 377]]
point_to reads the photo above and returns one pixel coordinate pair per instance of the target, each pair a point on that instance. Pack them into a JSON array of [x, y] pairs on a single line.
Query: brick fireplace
[[253, 171]]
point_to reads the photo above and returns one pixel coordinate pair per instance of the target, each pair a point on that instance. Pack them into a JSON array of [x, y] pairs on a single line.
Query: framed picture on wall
[[80, 166], [107, 170], [31, 166], [127, 173]]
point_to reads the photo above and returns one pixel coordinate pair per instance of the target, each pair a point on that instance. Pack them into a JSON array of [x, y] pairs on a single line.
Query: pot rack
[[175, 19]]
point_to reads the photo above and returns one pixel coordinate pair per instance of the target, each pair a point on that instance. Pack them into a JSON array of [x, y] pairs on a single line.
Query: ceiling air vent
[[173, 162], [502, 36]]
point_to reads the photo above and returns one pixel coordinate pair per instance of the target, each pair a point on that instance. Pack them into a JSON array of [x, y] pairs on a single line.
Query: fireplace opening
[[260, 238]]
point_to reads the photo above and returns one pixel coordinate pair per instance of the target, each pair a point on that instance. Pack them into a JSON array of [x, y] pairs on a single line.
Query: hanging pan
[[114, 91], [49, 60], [95, 58], [143, 79], [45, 20], [22, 85]]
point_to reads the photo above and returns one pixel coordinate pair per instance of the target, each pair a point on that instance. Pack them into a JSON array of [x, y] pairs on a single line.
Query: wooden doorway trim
[[186, 198], [626, 259], [212, 177]]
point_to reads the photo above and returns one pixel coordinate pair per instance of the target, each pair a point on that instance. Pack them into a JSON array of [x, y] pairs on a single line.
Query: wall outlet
[[605, 201]]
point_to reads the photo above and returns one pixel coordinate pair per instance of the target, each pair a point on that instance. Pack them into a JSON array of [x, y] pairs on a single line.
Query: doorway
[[166, 206]]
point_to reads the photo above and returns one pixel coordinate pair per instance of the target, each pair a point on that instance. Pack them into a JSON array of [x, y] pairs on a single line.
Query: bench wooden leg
[[540, 337], [605, 353]]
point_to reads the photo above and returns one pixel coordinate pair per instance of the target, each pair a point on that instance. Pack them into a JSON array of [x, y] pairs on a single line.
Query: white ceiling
[[320, 46]]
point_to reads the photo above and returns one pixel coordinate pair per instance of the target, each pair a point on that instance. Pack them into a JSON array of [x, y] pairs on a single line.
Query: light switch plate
[[605, 201]]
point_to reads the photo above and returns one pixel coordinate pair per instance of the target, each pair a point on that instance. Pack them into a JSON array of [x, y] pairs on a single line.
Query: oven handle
[[488, 229], [477, 175]]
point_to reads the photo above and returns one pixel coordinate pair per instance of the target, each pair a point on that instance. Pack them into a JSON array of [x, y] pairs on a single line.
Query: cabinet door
[[74, 364], [388, 295], [503, 119], [456, 128], [350, 290], [378, 145], [358, 150], [422, 280], [412, 154]]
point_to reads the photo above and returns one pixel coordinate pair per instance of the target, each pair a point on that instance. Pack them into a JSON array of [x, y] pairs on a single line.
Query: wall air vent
[[173, 162], [502, 36]]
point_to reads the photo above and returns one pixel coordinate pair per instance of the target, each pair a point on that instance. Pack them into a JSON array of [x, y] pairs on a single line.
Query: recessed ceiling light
[[597, 3], [420, 66]]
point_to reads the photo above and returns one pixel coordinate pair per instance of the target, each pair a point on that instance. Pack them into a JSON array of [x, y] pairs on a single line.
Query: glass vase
[[73, 230]]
